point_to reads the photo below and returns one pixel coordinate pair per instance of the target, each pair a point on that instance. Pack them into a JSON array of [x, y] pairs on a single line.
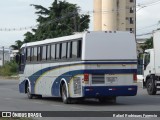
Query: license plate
[[111, 79]]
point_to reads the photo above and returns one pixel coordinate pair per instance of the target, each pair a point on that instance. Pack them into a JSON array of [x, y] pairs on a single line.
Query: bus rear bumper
[[104, 91]]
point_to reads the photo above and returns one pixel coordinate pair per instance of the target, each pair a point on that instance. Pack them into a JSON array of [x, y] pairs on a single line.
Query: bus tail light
[[86, 77], [135, 77]]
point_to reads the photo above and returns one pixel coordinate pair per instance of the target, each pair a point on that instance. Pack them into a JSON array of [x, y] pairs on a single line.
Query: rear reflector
[[135, 77], [86, 77], [131, 88], [112, 89]]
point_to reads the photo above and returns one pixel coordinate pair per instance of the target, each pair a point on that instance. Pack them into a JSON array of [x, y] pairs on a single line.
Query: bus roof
[[70, 37], [52, 40]]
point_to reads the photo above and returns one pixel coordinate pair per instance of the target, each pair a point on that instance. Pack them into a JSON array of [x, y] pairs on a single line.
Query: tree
[[17, 45], [148, 44], [61, 19]]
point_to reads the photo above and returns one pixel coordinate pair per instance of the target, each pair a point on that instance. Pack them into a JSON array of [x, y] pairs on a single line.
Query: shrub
[[10, 68]]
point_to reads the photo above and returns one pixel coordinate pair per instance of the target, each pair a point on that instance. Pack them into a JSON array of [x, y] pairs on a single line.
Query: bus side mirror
[[17, 59]]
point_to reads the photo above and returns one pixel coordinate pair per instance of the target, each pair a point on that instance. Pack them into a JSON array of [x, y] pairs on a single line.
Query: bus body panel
[[109, 46], [48, 82], [105, 57]]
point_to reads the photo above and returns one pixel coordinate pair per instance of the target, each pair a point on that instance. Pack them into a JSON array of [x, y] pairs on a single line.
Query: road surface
[[12, 100]]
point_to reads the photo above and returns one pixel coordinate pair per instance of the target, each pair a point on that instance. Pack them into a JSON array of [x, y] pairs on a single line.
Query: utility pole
[[3, 56], [75, 21]]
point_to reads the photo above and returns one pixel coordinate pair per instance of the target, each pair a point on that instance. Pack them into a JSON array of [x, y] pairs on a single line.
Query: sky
[[20, 14]]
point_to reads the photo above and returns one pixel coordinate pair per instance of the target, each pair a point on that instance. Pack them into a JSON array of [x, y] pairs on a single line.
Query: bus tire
[[112, 99], [102, 100], [65, 98], [39, 96], [150, 85], [29, 95], [107, 99]]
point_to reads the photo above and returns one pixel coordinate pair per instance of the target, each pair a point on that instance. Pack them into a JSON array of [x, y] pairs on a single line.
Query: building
[[6, 56], [113, 15]]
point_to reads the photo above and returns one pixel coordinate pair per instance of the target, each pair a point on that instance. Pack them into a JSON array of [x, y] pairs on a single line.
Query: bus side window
[[63, 50], [60, 51], [57, 51], [79, 50], [53, 51], [35, 54], [28, 54], [74, 49], [32, 54], [68, 50], [48, 52], [44, 55], [39, 54]]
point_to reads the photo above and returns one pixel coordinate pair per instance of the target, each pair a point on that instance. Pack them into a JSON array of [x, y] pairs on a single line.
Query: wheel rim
[[149, 87]]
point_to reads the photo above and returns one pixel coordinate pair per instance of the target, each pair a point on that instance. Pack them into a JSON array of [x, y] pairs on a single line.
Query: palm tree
[[17, 45]]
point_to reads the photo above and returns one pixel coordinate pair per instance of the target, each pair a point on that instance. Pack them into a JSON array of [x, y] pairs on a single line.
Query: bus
[[100, 65]]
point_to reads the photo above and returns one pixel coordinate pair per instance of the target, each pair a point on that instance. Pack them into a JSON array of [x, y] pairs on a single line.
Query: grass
[[9, 69]]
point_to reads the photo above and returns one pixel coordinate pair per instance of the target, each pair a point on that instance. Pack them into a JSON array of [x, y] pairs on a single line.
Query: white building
[[113, 15], [6, 56]]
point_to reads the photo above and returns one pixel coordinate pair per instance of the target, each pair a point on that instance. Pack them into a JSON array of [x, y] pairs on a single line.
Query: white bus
[[99, 65]]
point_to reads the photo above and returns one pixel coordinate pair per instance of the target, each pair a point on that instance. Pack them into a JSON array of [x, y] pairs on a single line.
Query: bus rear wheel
[[65, 98], [29, 95], [107, 99]]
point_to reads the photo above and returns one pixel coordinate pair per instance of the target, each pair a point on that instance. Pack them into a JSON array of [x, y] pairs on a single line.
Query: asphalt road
[[12, 100]]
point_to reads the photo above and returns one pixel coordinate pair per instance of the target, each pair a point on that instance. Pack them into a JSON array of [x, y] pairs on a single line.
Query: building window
[[131, 10], [131, 20], [131, 30], [131, 0]]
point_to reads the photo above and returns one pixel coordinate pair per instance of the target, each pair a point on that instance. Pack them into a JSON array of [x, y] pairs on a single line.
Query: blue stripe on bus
[[56, 85], [38, 74], [109, 63]]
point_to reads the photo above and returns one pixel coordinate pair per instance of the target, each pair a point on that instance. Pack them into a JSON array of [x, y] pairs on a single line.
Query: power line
[[73, 13], [70, 14], [143, 34], [141, 6], [149, 26], [148, 4]]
